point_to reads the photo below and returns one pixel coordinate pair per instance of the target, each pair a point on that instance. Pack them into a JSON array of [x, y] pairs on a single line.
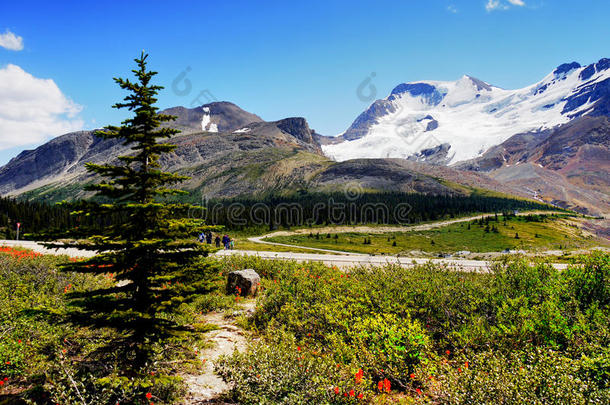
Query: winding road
[[370, 229], [326, 256]]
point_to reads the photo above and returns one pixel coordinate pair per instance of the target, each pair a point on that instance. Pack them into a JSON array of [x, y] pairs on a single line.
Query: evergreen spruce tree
[[153, 254]]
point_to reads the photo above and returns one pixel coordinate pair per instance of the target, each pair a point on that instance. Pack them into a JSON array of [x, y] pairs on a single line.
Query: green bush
[[531, 376], [277, 370], [590, 282], [414, 326], [12, 357], [386, 342], [71, 383]]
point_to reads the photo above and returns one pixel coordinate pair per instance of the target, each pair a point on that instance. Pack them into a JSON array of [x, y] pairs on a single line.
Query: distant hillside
[[567, 165], [229, 152]]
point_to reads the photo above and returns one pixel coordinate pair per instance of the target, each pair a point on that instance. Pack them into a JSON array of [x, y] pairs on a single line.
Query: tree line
[[392, 208], [272, 212]]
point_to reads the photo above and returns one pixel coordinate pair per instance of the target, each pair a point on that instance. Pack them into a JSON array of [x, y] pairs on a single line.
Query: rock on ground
[[243, 282]]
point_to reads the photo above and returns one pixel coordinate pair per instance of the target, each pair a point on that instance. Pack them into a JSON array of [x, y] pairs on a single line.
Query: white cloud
[[452, 9], [11, 41], [502, 4], [32, 110]]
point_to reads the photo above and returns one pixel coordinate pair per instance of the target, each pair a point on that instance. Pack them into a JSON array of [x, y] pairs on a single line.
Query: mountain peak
[[471, 115], [480, 84], [426, 91], [566, 68], [218, 116]]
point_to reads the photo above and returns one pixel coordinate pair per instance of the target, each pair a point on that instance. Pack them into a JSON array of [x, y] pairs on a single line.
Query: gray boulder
[[243, 282]]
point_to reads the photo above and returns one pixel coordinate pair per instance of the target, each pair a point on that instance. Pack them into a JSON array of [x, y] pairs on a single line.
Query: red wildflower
[[360, 396], [412, 376], [299, 348], [380, 386], [351, 393], [337, 390], [447, 352], [418, 391], [148, 395], [466, 365], [1, 383], [386, 385], [359, 376]]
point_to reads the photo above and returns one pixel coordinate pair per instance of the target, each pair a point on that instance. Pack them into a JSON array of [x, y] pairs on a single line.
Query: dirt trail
[[206, 387]]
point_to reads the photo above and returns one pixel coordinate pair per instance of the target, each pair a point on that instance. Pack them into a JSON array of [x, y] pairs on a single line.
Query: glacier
[[470, 115]]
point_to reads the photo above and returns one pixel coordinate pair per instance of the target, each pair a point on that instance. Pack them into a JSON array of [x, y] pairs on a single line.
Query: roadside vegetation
[[490, 234], [522, 334]]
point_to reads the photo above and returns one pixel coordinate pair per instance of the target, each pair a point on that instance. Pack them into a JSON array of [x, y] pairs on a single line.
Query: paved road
[[38, 247], [343, 260], [365, 260]]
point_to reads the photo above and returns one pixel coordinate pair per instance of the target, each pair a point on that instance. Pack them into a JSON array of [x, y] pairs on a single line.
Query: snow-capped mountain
[[463, 119]]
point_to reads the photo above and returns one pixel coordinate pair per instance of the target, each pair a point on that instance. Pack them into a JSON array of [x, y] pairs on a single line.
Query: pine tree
[[154, 255]]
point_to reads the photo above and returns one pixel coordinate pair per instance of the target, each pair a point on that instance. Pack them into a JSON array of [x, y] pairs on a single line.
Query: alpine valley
[[549, 142]]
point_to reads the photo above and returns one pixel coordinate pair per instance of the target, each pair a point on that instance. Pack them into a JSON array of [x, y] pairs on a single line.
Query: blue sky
[[273, 58]]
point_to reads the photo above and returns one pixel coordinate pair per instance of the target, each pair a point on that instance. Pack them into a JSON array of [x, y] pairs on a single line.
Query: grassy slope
[[554, 233]]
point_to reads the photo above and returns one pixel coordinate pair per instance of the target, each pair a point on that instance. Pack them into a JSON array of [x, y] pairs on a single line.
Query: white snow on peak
[[472, 116], [206, 121]]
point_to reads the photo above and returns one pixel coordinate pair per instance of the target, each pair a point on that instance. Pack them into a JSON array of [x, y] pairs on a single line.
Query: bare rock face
[[243, 282]]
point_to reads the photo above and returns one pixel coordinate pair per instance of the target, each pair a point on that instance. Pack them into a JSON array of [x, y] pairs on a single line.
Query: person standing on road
[[217, 241], [225, 241], [208, 238]]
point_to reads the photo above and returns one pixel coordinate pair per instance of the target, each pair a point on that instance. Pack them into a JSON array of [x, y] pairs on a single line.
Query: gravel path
[[206, 387]]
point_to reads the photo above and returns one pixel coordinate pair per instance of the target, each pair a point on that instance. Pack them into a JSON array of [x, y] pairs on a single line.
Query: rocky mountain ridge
[[230, 152]]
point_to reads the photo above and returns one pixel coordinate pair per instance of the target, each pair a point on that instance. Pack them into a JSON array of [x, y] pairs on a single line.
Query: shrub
[[589, 282], [278, 370], [457, 337], [532, 376]]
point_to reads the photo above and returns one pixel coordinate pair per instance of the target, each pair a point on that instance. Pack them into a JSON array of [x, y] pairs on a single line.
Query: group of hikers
[[227, 242]]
